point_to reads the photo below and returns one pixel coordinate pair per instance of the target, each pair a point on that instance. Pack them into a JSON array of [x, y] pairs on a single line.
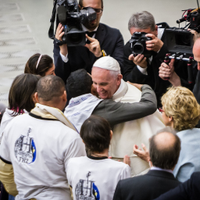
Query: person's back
[[39, 152], [38, 145], [102, 175], [164, 153], [99, 175]]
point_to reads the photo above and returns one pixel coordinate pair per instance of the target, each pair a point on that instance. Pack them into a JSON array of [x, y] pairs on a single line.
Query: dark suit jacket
[[131, 73], [189, 190], [196, 91], [145, 187], [110, 40]]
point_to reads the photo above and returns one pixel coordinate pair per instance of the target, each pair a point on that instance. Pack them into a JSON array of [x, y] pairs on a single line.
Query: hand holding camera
[[58, 37], [155, 44], [166, 71], [139, 60]]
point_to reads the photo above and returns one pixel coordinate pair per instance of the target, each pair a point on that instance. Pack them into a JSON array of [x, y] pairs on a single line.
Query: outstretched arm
[[116, 112]]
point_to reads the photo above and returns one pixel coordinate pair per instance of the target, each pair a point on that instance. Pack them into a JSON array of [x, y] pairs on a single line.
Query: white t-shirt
[[7, 117], [95, 178], [39, 151]]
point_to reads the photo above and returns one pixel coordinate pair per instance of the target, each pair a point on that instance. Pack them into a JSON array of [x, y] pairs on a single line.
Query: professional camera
[[138, 44], [178, 40], [193, 17], [72, 18]]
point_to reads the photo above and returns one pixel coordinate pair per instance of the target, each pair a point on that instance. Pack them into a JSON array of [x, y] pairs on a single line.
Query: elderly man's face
[[105, 83], [196, 52], [96, 4]]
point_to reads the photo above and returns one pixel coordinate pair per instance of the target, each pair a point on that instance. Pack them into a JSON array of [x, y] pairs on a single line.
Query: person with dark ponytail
[[40, 64], [20, 98]]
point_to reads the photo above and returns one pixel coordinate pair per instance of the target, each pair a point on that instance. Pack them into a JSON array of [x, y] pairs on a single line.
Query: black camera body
[[178, 40], [138, 44], [69, 15], [193, 19]]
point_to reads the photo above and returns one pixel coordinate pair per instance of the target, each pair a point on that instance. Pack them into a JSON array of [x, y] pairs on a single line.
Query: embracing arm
[[116, 112]]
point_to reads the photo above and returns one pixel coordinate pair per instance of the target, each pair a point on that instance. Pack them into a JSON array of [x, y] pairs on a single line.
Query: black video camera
[[193, 17], [72, 18], [178, 40], [138, 44]]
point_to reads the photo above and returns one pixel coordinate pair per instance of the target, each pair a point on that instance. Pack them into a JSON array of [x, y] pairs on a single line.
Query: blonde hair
[[181, 104]]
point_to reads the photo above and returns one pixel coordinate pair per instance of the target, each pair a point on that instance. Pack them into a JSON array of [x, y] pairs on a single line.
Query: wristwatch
[[58, 42]]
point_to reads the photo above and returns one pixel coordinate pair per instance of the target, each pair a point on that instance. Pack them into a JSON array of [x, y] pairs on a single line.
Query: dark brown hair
[[44, 65], [79, 82], [21, 93], [95, 133], [49, 87]]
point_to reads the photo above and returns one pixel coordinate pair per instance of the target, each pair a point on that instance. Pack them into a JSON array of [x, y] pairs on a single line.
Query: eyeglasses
[[98, 11]]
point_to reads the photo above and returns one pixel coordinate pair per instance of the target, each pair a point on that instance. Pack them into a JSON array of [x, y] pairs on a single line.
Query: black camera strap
[[51, 28]]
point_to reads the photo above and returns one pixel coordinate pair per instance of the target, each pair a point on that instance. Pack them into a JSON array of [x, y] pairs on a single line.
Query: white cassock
[[125, 135]]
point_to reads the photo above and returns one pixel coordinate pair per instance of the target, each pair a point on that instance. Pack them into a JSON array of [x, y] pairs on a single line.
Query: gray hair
[[115, 73], [142, 20]]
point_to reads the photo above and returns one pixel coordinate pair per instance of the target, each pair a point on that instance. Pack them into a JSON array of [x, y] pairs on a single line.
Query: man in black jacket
[[105, 40], [164, 153], [140, 69], [189, 190]]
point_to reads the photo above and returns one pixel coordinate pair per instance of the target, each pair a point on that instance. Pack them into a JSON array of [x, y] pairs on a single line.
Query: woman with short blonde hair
[[181, 111], [180, 104]]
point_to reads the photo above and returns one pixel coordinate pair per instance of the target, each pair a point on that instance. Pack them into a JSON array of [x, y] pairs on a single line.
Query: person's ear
[[150, 163], [119, 77], [170, 119], [156, 30], [35, 98], [64, 96], [111, 134]]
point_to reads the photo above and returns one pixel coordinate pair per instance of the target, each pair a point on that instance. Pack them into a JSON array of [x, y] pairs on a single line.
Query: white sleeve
[[76, 149], [142, 70], [126, 172], [64, 58], [69, 172], [4, 150]]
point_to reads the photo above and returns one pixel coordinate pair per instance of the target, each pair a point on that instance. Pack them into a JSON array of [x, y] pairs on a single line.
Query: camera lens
[[138, 48], [75, 38]]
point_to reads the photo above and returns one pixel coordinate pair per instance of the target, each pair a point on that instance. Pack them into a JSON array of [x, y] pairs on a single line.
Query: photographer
[[141, 69], [104, 40]]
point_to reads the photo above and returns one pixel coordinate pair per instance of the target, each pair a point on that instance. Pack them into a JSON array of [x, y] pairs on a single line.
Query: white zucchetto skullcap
[[108, 63]]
